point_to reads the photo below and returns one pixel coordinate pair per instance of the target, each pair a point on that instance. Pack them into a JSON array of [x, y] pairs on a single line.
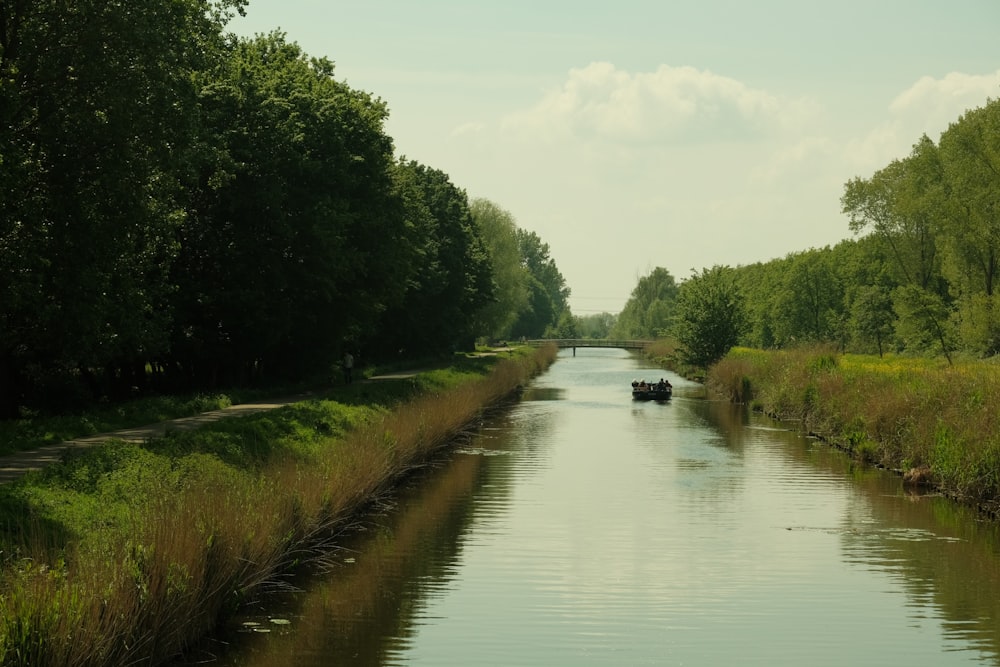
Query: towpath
[[13, 466]]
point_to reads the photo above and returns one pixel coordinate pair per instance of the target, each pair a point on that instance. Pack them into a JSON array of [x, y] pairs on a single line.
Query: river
[[582, 528]]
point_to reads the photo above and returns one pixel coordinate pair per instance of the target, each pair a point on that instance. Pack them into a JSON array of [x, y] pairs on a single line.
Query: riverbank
[[936, 424], [128, 553]]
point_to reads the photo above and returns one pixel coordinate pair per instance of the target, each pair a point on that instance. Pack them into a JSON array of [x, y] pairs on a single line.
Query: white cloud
[[926, 107], [940, 101], [675, 105]]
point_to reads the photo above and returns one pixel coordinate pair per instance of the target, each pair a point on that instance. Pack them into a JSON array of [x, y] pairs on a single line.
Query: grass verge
[[936, 424], [127, 554]]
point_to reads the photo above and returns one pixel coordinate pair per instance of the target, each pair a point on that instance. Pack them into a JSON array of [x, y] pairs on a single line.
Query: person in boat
[[661, 385], [643, 386], [635, 384]]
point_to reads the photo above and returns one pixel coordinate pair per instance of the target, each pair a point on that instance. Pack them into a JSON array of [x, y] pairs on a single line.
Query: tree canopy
[[919, 277], [182, 209]]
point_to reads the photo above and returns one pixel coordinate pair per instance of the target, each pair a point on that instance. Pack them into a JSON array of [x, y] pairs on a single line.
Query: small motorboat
[[656, 391]]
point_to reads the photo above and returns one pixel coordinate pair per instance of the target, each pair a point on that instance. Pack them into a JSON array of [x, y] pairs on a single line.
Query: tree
[[597, 325], [902, 204], [440, 310], [97, 116], [970, 153], [810, 298], [565, 328], [711, 315], [650, 308], [547, 291], [872, 316], [510, 276], [296, 240]]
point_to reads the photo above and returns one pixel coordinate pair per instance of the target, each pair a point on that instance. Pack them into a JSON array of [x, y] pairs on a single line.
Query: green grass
[[37, 430], [898, 412], [125, 553]]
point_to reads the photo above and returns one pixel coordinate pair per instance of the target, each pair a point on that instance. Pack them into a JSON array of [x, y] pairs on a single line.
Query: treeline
[[181, 209], [920, 277]]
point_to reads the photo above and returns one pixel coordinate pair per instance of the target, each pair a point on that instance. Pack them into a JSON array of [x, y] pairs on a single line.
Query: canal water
[[582, 528]]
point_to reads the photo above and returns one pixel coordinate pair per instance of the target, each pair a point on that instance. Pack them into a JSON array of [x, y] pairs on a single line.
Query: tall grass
[[162, 545], [902, 413]]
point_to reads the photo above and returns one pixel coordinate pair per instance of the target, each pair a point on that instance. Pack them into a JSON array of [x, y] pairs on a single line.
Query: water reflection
[[582, 528]]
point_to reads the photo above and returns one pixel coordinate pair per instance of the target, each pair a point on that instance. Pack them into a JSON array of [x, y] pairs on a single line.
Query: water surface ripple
[[581, 528]]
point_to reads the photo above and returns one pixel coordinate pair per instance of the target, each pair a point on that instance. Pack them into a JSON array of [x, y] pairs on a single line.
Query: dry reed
[[194, 550], [901, 413]]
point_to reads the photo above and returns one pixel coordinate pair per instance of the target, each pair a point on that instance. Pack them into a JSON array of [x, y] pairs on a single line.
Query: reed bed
[[933, 422], [138, 554]]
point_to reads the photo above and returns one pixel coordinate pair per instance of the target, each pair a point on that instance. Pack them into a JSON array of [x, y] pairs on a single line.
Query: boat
[[651, 392]]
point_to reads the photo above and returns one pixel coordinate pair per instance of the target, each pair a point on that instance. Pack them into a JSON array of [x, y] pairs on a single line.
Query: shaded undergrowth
[[126, 554]]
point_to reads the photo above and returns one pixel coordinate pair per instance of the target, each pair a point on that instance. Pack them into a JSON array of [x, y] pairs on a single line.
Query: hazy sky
[[635, 134]]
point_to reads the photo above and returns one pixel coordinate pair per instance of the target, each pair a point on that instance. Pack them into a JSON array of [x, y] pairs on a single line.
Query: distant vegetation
[[920, 278], [182, 210]]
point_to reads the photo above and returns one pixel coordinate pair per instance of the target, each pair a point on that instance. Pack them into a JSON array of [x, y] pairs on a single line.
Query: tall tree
[[296, 240], [810, 298], [97, 112], [970, 157], [650, 309], [970, 154], [548, 293], [597, 325], [441, 307], [510, 276], [901, 204], [873, 317], [711, 315]]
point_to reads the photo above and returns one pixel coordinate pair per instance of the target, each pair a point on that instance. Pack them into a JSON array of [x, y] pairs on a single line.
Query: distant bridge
[[591, 342]]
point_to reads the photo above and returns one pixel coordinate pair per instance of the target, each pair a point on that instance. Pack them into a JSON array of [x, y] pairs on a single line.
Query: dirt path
[[12, 466]]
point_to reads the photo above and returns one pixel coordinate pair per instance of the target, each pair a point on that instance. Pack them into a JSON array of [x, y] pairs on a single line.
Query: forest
[[918, 277], [182, 209]]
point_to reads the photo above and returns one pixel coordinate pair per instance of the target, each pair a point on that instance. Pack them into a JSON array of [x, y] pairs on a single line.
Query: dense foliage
[[181, 209], [920, 277]]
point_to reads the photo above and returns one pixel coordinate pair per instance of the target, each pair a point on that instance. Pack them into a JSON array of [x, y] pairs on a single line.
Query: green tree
[[902, 205], [971, 232], [760, 283], [650, 308], [564, 328], [970, 153], [510, 276], [548, 293], [711, 315], [453, 281], [596, 325], [810, 298], [872, 316], [97, 116], [296, 240], [920, 314]]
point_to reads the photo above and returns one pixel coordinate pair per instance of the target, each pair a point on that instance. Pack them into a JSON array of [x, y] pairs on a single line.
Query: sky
[[635, 134]]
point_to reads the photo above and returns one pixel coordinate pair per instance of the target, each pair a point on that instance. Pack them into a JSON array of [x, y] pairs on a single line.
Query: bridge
[[590, 342]]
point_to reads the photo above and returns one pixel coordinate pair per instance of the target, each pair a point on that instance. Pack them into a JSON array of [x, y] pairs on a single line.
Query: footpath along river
[[582, 528]]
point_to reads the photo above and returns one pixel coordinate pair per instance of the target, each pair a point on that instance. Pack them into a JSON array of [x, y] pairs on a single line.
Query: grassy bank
[[127, 554], [935, 423]]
